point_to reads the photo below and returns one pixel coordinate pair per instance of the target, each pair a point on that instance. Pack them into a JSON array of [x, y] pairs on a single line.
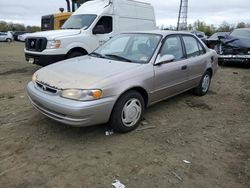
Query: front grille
[[36, 44], [46, 88]]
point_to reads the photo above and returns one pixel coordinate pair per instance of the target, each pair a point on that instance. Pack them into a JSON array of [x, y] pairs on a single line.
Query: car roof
[[161, 32]]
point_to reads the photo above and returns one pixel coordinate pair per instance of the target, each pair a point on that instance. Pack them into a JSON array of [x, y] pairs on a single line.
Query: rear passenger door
[[196, 57], [170, 78]]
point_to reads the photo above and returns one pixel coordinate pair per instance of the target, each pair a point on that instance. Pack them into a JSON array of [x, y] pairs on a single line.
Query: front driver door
[[170, 78]]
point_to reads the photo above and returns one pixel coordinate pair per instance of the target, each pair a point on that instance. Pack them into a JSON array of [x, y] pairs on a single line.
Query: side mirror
[[98, 29], [164, 59]]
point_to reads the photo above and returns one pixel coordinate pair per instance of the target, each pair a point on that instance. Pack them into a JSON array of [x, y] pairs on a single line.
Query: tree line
[[9, 26], [197, 25], [211, 29]]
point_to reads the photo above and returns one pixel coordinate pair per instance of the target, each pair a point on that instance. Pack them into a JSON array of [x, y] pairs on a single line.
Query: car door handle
[[184, 67]]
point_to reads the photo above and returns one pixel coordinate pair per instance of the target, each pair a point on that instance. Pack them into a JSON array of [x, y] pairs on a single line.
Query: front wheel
[[8, 40], [75, 54], [204, 85], [127, 112]]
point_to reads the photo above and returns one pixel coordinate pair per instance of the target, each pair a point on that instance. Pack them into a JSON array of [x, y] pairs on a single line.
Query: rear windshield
[[81, 21]]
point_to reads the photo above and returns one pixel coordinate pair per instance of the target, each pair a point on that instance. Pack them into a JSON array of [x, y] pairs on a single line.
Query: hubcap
[[131, 112], [205, 83]]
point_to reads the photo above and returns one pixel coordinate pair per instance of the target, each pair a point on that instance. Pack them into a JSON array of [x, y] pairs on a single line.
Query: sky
[[29, 12]]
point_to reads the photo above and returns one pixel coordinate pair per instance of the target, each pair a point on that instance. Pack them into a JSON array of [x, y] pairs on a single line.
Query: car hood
[[51, 35], [237, 42], [82, 72]]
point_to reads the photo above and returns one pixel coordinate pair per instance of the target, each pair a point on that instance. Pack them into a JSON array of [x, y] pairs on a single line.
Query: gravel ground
[[211, 132]]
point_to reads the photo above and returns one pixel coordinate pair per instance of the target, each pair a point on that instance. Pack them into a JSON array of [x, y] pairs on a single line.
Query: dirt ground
[[211, 132]]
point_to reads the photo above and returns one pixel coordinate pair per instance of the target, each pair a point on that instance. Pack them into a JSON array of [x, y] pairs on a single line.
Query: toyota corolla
[[119, 80]]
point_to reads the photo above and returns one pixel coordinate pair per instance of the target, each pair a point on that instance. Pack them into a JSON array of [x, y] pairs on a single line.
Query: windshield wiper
[[118, 57], [95, 54]]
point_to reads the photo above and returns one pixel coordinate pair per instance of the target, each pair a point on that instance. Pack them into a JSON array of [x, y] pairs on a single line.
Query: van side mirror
[[98, 29], [164, 59]]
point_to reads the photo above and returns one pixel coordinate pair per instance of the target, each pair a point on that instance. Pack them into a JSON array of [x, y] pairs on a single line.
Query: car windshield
[[241, 33], [79, 21], [136, 48]]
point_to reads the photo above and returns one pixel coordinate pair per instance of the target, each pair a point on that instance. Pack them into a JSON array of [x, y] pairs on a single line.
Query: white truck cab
[[92, 24]]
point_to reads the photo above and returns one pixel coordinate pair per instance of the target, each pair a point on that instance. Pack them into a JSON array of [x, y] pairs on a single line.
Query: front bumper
[[75, 113], [44, 60], [235, 58]]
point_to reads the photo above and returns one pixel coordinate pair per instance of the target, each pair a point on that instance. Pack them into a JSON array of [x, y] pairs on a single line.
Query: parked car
[[215, 37], [6, 37], [90, 26], [121, 78], [23, 37], [201, 35], [233, 47], [17, 33]]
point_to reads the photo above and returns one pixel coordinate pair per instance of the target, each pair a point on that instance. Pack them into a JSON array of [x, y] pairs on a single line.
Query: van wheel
[[75, 54], [127, 112], [204, 85], [8, 40]]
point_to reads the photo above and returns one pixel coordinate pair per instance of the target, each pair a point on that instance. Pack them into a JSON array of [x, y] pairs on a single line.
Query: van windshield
[[79, 21]]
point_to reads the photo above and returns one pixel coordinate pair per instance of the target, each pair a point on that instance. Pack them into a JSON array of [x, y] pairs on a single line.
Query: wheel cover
[[205, 83], [131, 112]]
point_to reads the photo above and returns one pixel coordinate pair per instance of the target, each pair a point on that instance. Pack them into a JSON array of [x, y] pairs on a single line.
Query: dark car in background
[[232, 47], [17, 33]]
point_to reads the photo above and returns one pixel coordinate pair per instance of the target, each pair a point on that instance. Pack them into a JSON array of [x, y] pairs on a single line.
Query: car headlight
[[52, 44], [81, 94], [34, 77]]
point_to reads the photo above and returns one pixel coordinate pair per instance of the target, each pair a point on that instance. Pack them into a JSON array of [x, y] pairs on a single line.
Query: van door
[[104, 29], [170, 78]]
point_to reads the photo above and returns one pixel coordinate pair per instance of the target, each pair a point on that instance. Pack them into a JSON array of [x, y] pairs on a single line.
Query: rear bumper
[[74, 113], [44, 60]]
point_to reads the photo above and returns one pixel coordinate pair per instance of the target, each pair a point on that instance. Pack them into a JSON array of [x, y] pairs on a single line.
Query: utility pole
[[182, 18]]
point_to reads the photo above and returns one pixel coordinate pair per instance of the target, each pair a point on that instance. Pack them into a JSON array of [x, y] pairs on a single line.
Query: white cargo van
[[91, 25]]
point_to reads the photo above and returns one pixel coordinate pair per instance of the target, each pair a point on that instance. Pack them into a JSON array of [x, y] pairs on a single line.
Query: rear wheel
[[204, 85], [127, 112]]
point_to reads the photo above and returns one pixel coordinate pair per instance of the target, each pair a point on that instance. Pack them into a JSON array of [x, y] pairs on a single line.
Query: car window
[[107, 23], [172, 46], [191, 45], [241, 33], [201, 48]]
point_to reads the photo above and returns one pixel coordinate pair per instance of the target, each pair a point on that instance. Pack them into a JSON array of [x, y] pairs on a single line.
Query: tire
[[204, 84], [120, 120], [8, 40], [75, 54]]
